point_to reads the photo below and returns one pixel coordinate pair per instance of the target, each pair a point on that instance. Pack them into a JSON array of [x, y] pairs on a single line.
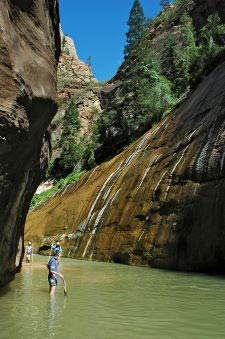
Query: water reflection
[[53, 309]]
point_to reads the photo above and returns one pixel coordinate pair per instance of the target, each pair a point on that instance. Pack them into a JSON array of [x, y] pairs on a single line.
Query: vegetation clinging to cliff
[[153, 80]]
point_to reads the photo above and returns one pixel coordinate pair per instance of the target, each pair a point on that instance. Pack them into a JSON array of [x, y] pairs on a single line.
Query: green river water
[[112, 301]]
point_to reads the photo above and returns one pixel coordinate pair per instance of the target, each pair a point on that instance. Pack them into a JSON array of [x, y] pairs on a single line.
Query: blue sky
[[98, 28]]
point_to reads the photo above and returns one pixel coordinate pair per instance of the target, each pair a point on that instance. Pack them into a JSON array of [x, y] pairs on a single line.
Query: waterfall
[[202, 157], [91, 174], [97, 222], [157, 185], [96, 199], [65, 189], [112, 178], [222, 162], [150, 165], [139, 239], [174, 169]]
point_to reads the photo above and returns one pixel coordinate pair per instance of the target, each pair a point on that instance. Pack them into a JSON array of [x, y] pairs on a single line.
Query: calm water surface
[[112, 301]]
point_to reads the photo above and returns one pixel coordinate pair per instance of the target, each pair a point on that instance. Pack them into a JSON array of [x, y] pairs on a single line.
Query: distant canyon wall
[[29, 53], [159, 203], [75, 83]]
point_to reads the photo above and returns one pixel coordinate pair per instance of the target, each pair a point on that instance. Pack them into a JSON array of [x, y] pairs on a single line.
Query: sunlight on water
[[112, 301]]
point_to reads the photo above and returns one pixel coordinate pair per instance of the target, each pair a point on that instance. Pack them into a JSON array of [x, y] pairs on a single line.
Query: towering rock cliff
[[29, 52], [75, 80], [159, 203]]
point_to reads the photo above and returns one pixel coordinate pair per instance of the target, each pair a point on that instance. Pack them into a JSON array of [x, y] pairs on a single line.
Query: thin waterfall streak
[[87, 245], [195, 190], [201, 158], [157, 128], [190, 136], [143, 178], [91, 174], [90, 214], [65, 189], [156, 187], [97, 221], [98, 196], [173, 170], [100, 214], [107, 192], [142, 233], [115, 195], [222, 162], [136, 151], [76, 247], [152, 162]]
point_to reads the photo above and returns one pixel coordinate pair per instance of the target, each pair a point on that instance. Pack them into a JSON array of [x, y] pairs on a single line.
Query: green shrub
[[40, 199]]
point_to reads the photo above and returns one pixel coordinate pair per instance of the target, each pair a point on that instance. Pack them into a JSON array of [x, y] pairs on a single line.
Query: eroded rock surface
[[160, 202], [29, 52], [75, 82]]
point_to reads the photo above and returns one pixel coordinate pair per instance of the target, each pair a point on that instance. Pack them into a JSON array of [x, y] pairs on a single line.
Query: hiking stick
[[65, 291]]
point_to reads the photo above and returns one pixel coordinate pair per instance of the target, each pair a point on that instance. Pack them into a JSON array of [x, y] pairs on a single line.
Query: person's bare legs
[[52, 290]]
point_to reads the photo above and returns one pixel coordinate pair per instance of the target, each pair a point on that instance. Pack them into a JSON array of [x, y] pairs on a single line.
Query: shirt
[[52, 266], [29, 249]]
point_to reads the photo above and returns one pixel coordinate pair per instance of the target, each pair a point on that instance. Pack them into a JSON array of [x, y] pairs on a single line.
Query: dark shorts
[[52, 282]]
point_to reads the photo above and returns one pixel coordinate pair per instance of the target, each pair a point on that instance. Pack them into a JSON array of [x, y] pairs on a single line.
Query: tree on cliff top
[[136, 25], [164, 3]]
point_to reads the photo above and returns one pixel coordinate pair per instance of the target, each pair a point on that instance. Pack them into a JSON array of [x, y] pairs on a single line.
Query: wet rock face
[[29, 52], [160, 202]]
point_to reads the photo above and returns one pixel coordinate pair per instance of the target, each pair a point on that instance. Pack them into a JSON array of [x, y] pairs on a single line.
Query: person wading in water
[[53, 273], [28, 252]]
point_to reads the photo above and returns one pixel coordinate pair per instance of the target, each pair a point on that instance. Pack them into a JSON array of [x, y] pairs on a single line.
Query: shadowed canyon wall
[[158, 203], [29, 52]]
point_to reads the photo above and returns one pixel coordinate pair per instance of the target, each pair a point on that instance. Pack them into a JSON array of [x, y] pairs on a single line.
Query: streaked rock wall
[[160, 202]]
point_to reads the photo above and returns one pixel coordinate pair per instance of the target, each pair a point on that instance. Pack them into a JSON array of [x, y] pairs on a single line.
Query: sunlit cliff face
[[29, 51]]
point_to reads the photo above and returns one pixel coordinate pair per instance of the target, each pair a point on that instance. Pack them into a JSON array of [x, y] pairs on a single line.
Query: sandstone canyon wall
[[75, 82], [29, 52], [158, 203]]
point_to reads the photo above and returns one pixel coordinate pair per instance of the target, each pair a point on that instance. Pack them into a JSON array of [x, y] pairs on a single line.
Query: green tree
[[164, 3], [168, 57], [179, 3], [136, 25], [155, 99], [212, 35], [70, 143], [186, 54]]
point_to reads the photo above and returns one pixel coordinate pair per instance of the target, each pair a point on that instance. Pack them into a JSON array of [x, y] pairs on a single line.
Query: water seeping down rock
[[29, 53], [158, 203]]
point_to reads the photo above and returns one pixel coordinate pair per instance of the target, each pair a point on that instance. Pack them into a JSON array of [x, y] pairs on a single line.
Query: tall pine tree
[[136, 25], [164, 3]]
